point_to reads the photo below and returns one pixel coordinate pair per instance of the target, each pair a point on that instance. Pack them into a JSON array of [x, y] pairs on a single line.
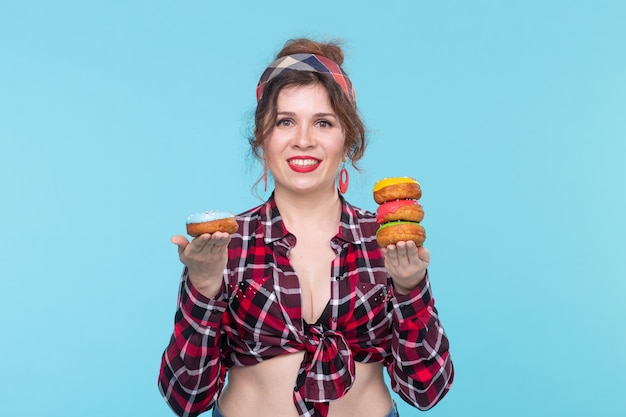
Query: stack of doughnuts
[[399, 213]]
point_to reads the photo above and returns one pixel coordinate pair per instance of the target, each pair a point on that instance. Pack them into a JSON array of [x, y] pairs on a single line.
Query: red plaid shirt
[[257, 316]]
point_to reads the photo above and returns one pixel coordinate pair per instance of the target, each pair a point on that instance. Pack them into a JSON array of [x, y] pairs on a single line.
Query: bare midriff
[[266, 390]]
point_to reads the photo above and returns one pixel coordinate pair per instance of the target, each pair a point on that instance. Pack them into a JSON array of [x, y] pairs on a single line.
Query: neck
[[302, 210]]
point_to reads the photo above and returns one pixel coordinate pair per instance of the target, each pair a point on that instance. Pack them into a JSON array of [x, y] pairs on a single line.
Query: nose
[[304, 138]]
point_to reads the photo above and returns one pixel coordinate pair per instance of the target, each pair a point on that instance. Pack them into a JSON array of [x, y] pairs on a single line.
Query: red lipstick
[[303, 164]]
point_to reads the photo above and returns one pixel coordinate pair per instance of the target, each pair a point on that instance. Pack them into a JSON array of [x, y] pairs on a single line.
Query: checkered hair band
[[307, 62]]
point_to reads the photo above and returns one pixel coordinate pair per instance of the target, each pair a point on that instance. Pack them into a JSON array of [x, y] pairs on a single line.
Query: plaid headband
[[307, 62]]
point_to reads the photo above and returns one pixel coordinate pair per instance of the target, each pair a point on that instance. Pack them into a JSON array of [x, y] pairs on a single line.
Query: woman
[[300, 306]]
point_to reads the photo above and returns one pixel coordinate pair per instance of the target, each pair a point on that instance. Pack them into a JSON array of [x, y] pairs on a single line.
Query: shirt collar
[[272, 227]]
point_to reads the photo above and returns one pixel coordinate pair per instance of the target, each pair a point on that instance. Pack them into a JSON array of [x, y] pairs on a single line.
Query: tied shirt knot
[[327, 370]]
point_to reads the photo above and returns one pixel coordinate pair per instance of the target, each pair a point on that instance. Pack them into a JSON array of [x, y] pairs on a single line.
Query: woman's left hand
[[406, 263]]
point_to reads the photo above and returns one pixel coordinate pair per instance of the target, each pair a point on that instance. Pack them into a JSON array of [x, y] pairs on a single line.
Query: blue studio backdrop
[[118, 119]]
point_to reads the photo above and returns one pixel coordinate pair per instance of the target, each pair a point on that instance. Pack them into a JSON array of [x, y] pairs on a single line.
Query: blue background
[[120, 118]]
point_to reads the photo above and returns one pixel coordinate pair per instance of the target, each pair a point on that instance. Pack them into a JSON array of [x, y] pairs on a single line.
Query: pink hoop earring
[[344, 180]]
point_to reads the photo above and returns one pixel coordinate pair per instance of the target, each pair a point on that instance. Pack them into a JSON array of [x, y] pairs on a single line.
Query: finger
[[200, 244], [220, 238], [391, 253], [180, 241], [401, 252], [424, 254], [412, 252], [217, 247], [208, 244]]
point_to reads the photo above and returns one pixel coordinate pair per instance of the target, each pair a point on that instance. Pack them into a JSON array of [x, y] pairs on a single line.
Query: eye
[[324, 123], [284, 122]]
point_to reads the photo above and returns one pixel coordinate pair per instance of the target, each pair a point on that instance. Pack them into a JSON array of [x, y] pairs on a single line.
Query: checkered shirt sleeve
[[192, 371], [420, 365]]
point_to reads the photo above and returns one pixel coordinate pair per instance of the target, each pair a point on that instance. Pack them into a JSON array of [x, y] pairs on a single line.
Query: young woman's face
[[306, 146]]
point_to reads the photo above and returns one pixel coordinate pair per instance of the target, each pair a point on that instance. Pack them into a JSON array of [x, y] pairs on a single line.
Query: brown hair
[[265, 115]]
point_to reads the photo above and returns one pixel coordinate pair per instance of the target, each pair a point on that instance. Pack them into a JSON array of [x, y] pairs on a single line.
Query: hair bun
[[330, 50]]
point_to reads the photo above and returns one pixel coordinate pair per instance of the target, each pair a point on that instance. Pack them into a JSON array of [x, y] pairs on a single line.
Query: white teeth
[[303, 162]]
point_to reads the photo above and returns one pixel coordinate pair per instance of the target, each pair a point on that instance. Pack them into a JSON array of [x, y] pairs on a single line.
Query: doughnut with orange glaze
[[397, 188]]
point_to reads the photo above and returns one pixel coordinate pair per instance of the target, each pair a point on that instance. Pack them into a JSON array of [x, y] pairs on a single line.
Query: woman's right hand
[[205, 258]]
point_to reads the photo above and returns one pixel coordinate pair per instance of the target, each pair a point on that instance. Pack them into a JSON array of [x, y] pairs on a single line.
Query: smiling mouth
[[303, 164]]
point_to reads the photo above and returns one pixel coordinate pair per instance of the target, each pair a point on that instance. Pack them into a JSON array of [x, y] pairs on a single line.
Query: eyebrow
[[321, 114]]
